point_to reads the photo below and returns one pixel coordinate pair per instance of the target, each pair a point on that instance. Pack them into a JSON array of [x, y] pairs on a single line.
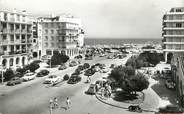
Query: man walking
[[68, 103]]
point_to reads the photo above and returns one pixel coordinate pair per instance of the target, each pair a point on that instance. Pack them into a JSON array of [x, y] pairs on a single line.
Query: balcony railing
[[17, 31], [173, 28], [172, 35]]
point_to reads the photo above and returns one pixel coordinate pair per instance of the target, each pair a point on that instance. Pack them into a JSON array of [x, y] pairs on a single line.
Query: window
[[46, 38], [178, 25], [52, 31], [52, 24], [46, 24], [4, 37], [52, 44], [48, 52], [4, 48], [34, 40], [52, 38], [46, 31], [46, 44], [178, 10]]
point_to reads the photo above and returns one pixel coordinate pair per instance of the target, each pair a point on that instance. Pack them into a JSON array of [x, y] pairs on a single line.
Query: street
[[33, 97]]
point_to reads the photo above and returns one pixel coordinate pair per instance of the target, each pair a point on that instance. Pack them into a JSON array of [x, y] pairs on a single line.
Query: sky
[[104, 18]]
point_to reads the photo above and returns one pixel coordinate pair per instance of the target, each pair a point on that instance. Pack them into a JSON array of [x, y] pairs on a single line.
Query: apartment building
[[15, 38], [61, 34], [173, 31]]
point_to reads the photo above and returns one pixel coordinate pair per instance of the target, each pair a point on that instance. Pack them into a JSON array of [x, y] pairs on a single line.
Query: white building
[[173, 31], [59, 34], [15, 38]]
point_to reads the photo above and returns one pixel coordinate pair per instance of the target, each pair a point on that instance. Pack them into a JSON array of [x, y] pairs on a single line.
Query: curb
[[119, 106]]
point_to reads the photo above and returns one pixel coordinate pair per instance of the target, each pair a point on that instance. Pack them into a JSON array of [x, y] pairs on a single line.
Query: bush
[[66, 77], [8, 74], [33, 66]]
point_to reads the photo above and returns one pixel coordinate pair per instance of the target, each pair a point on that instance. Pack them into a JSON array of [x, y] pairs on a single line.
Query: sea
[[120, 41]]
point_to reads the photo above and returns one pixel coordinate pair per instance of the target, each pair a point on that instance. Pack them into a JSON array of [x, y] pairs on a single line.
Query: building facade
[[59, 34], [173, 31], [15, 38]]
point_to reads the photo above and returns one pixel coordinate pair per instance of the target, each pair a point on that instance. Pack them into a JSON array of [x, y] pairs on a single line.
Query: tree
[[33, 66], [8, 74], [120, 73], [58, 58], [136, 83]]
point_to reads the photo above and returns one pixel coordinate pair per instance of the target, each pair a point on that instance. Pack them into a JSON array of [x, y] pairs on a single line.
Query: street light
[[2, 74], [50, 105]]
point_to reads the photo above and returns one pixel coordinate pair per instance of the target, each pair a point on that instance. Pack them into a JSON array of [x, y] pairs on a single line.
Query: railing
[[17, 31], [23, 31]]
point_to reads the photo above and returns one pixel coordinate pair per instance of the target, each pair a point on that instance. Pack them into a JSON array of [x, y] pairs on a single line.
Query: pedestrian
[[55, 102], [68, 103], [51, 103]]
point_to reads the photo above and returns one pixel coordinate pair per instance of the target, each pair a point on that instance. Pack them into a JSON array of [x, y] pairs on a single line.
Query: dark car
[[14, 81], [74, 79], [92, 89], [170, 84], [73, 63], [171, 109], [62, 67], [42, 73]]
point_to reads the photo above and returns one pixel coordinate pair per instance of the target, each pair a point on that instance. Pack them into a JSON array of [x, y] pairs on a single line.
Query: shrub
[[8, 74], [33, 66], [66, 77]]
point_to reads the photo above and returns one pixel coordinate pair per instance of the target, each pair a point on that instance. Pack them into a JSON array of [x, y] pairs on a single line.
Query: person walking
[[55, 102], [68, 103]]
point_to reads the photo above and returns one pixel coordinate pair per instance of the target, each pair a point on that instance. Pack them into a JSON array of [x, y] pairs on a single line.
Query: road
[[33, 97]]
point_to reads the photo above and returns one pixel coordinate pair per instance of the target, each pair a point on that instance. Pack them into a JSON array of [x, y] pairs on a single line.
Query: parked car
[[74, 79], [104, 70], [102, 55], [170, 84], [14, 81], [73, 63], [62, 67], [29, 76], [52, 79], [92, 89], [89, 58], [171, 109], [42, 73]]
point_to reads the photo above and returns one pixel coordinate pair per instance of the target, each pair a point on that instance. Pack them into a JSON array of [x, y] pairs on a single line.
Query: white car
[[29, 76], [52, 79]]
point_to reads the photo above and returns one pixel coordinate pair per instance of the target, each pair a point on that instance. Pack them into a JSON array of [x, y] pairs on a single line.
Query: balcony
[[29, 41], [12, 19], [17, 31], [23, 41], [172, 35], [174, 20], [29, 32], [4, 42], [173, 50], [174, 43], [23, 31], [17, 42], [173, 28]]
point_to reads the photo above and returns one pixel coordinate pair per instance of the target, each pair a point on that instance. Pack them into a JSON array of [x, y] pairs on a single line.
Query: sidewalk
[[152, 100]]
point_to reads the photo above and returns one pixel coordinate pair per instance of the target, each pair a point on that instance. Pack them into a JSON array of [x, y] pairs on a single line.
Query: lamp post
[[50, 105], [2, 74]]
